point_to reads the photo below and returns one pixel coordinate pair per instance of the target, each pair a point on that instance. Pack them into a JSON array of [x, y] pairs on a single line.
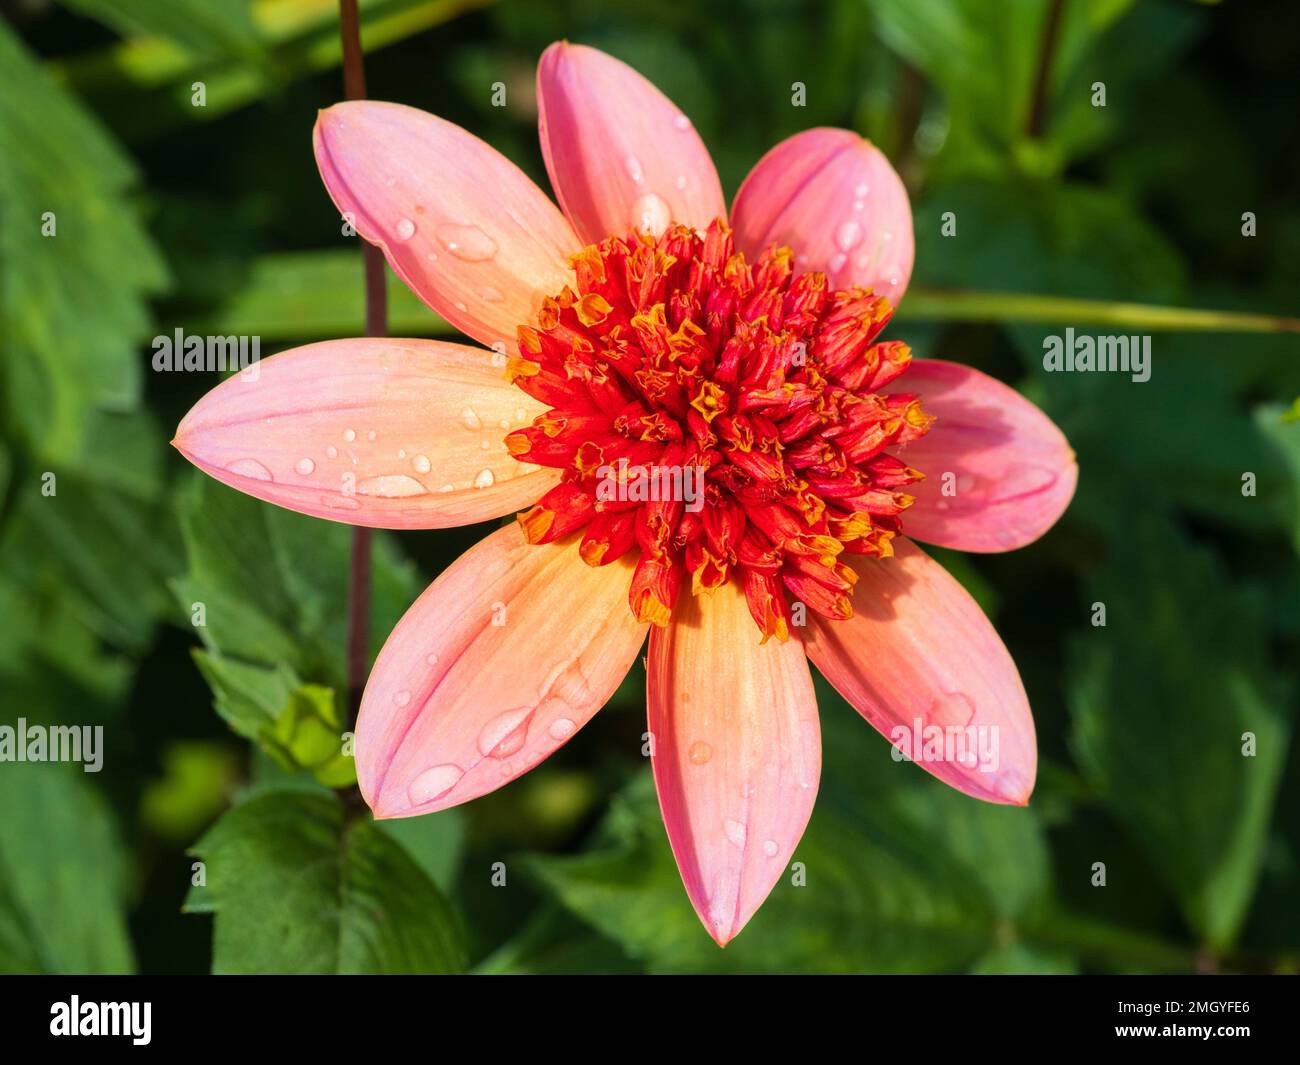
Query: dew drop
[[681, 121], [634, 169], [560, 728], [650, 214], [421, 463], [349, 435], [331, 452], [434, 783], [770, 848], [849, 235], [861, 191], [735, 832], [460, 306], [484, 479], [431, 659], [432, 256], [701, 753], [504, 423], [837, 262], [470, 419], [488, 294], [468, 243], [504, 735], [405, 229], [447, 488], [371, 435], [402, 698], [391, 486], [337, 502], [486, 445], [250, 468], [305, 467]]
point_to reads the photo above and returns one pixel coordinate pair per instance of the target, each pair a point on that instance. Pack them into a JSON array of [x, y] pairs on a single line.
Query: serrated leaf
[[297, 888]]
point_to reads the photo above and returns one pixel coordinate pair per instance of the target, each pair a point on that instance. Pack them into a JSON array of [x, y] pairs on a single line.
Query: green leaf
[[208, 28], [297, 888], [902, 875], [1282, 428], [313, 295], [73, 306], [61, 885], [1162, 699], [274, 583]]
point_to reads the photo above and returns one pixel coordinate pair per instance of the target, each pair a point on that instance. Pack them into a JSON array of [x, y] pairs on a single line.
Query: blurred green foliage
[[156, 172]]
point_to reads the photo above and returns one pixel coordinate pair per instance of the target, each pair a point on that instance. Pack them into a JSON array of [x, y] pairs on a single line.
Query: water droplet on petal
[[434, 783], [470, 419], [634, 170], [650, 214], [488, 294], [331, 452], [861, 191], [337, 502], [305, 467], [504, 735], [484, 479], [735, 832], [349, 435], [837, 262], [405, 229], [402, 698], [250, 468], [468, 243], [421, 463], [700, 753], [849, 235], [431, 659], [371, 435], [561, 727], [447, 488], [770, 848], [681, 121], [391, 486]]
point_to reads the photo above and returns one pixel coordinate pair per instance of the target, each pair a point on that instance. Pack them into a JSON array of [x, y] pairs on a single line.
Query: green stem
[[942, 305]]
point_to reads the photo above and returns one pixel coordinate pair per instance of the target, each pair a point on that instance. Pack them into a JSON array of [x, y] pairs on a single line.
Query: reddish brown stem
[[354, 88]]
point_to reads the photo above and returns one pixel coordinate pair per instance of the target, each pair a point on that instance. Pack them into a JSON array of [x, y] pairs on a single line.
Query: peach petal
[[918, 651], [737, 753], [465, 228], [833, 197], [998, 472], [396, 434], [501, 660], [620, 155]]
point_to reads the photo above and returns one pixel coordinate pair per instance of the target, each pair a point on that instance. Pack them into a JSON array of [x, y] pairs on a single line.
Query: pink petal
[[465, 228], [833, 197], [397, 434], [737, 753], [917, 652], [620, 155], [500, 661], [998, 472]]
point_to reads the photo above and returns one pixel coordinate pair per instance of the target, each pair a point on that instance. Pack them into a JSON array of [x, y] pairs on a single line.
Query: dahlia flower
[[640, 327]]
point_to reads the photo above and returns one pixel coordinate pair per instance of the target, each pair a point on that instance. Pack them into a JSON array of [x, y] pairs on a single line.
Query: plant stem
[[952, 305], [358, 652], [1037, 121]]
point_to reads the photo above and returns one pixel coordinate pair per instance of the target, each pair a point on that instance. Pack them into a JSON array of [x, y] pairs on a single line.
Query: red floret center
[[722, 420]]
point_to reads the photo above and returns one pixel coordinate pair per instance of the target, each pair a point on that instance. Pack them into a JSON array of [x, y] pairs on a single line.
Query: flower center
[[722, 419]]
